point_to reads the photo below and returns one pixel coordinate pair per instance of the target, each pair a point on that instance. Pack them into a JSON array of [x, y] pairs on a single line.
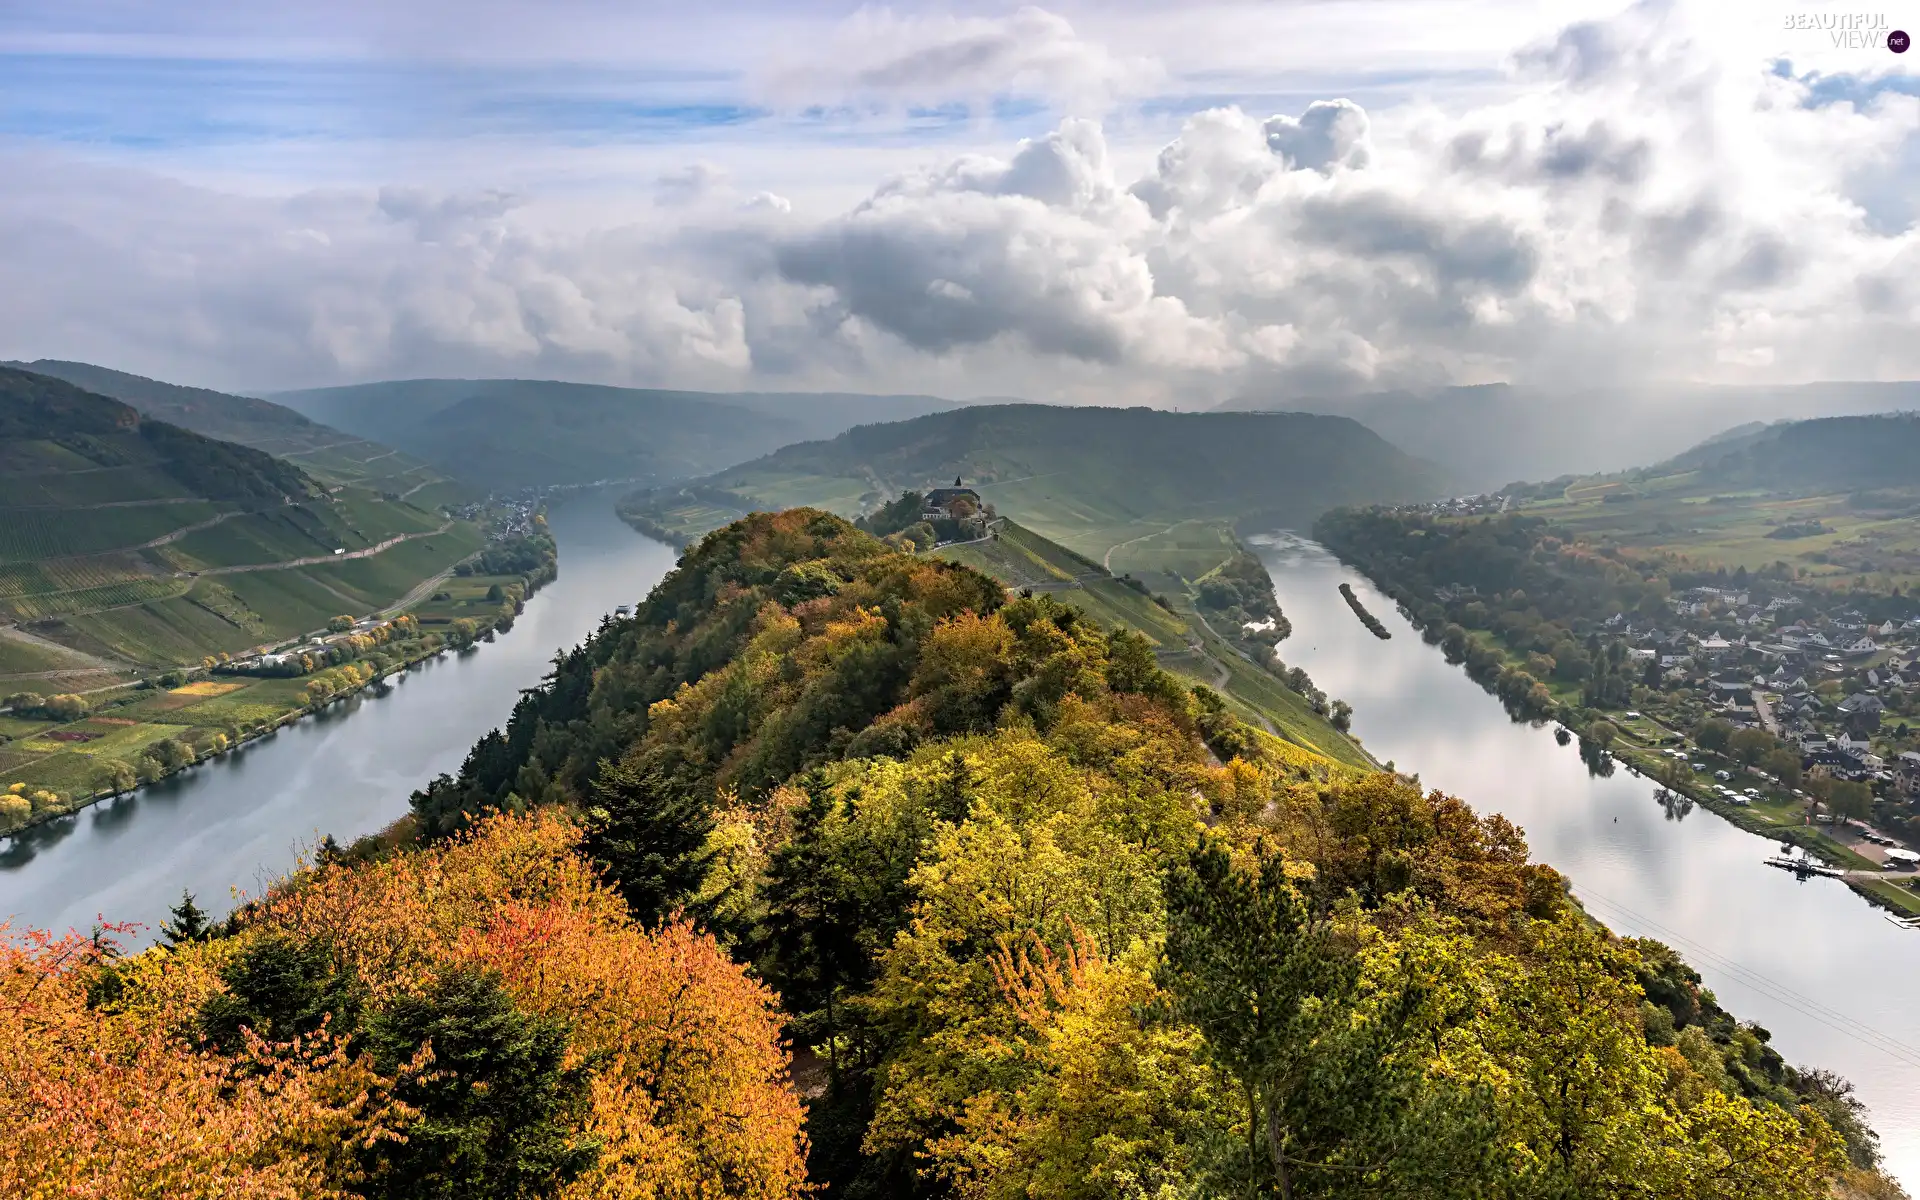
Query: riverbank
[[230, 825], [58, 759], [1532, 690]]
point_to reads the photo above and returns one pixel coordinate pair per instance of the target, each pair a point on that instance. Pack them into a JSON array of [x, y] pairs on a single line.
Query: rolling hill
[[1493, 434], [1090, 478], [127, 542], [322, 451], [523, 432], [1832, 453]]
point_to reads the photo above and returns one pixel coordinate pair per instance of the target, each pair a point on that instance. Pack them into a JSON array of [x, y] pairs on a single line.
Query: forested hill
[[215, 414], [1055, 467], [530, 431], [49, 429], [326, 453], [1040, 915], [1832, 453]]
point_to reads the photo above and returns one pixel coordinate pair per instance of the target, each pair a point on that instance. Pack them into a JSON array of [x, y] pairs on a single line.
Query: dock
[[1805, 866]]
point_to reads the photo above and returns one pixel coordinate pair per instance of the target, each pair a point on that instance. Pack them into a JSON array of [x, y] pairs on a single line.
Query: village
[[1836, 690]]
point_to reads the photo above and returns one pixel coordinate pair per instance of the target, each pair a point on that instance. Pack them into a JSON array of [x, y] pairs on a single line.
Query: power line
[[1771, 988]]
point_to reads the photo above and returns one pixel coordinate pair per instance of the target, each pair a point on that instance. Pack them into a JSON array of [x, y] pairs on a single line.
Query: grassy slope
[[329, 455], [1022, 558], [149, 546]]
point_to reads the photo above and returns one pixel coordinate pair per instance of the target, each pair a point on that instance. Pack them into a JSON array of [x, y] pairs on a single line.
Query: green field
[[1824, 529], [71, 758]]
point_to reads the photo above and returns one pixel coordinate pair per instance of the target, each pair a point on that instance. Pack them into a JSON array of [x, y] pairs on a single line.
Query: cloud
[[879, 58], [1331, 133], [132, 270], [689, 184], [1639, 203]]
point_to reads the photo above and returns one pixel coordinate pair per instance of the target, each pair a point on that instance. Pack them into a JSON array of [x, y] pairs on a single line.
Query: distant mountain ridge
[[1077, 473], [1488, 435], [322, 450], [529, 431], [1840, 453], [108, 435], [215, 414]]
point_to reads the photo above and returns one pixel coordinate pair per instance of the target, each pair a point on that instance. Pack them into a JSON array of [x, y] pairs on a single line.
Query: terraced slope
[[132, 543]]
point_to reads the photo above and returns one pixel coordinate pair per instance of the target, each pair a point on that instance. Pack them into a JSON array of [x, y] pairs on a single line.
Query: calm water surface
[[1836, 983], [236, 822]]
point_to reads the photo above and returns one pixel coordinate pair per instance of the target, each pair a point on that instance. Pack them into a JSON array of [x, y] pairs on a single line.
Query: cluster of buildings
[[1484, 505], [958, 504], [505, 517], [289, 660], [1770, 675]]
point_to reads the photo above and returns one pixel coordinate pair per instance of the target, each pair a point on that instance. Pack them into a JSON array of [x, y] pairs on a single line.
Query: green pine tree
[[189, 923], [650, 835]]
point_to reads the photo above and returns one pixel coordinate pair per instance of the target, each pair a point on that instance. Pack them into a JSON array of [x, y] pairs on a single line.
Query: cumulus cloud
[[1331, 133], [885, 59], [1639, 205], [1039, 250], [1641, 208]]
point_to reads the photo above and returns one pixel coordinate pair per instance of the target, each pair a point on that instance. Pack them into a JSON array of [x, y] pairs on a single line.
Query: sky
[[1127, 202]]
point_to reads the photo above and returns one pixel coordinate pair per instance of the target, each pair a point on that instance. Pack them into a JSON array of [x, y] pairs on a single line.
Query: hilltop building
[[955, 503]]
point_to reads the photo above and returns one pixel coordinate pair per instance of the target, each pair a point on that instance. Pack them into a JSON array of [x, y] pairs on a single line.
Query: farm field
[[1832, 535], [33, 534]]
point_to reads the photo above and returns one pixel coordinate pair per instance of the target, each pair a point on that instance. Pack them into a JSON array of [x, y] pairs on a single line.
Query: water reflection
[[234, 822], [1807, 959]]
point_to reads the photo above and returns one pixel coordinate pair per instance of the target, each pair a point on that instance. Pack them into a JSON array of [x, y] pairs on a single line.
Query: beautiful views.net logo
[[1851, 31]]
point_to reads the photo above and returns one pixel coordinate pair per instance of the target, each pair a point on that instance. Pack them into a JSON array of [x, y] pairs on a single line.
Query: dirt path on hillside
[[320, 559], [1106, 560]]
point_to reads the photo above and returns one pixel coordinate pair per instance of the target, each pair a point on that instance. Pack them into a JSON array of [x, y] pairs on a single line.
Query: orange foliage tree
[[690, 1085]]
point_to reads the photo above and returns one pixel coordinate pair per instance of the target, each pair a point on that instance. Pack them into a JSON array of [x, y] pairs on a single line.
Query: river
[[236, 822], [1836, 984]]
